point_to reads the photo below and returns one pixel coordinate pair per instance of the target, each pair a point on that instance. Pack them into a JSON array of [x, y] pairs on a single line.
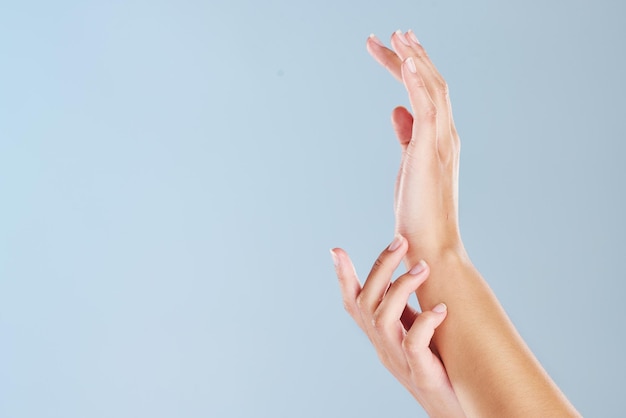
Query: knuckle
[[445, 149], [410, 347], [420, 51], [429, 113], [419, 83], [377, 322], [349, 307], [442, 88], [378, 263], [360, 302]]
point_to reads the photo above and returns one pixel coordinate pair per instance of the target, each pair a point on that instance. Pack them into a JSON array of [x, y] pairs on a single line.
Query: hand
[[426, 202], [399, 334]]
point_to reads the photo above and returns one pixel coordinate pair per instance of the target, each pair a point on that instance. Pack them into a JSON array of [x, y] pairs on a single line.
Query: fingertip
[[441, 308], [374, 39], [400, 110], [419, 269], [431, 319], [397, 242], [342, 256], [400, 36], [334, 257], [410, 73], [411, 36], [409, 64], [344, 268], [439, 314]]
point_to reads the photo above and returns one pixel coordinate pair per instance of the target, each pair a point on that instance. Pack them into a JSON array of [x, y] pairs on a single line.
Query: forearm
[[491, 369]]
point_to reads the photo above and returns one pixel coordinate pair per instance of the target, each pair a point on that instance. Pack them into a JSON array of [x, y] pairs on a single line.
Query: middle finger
[[379, 278]]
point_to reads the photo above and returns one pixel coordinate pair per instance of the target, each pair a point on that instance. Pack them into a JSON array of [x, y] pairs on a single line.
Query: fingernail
[[411, 64], [335, 258], [441, 308], [418, 268], [395, 244], [376, 40], [412, 37], [402, 38]]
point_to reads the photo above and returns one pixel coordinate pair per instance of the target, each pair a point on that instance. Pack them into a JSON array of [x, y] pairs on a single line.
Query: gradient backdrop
[[173, 173]]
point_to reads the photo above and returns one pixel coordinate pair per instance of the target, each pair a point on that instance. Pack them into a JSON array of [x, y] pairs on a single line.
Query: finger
[[416, 344], [402, 122], [392, 60], [407, 45], [387, 316], [388, 331], [441, 96], [384, 56], [379, 278], [424, 130], [433, 75], [348, 283]]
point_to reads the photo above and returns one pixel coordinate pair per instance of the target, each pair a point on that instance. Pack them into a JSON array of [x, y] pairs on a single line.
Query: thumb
[[402, 122]]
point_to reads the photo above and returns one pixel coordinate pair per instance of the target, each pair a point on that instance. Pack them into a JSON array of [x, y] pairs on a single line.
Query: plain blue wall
[[173, 174]]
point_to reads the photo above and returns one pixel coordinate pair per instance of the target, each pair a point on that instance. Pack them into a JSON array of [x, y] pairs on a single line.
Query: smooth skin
[[492, 371], [400, 334]]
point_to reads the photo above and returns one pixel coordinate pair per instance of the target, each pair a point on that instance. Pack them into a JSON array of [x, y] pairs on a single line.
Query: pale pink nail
[[402, 38], [418, 268], [376, 40], [411, 64], [395, 244], [441, 308], [412, 37]]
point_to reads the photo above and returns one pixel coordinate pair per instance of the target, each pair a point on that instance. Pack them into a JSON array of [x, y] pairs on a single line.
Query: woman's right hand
[[399, 334]]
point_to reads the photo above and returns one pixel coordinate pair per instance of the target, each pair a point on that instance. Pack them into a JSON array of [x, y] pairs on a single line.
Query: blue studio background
[[173, 173]]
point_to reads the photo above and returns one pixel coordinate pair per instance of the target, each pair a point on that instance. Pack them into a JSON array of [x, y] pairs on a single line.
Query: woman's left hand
[[426, 198], [400, 335]]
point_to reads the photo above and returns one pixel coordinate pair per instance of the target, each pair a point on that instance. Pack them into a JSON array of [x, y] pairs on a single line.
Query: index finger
[[348, 283]]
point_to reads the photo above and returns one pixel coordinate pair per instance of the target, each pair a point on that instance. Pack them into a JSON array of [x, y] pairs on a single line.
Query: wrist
[[452, 254]]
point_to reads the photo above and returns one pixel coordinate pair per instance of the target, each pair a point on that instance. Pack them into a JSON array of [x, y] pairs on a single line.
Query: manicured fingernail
[[441, 308], [402, 37], [418, 268], [412, 37], [335, 258], [411, 64], [395, 244], [376, 40]]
